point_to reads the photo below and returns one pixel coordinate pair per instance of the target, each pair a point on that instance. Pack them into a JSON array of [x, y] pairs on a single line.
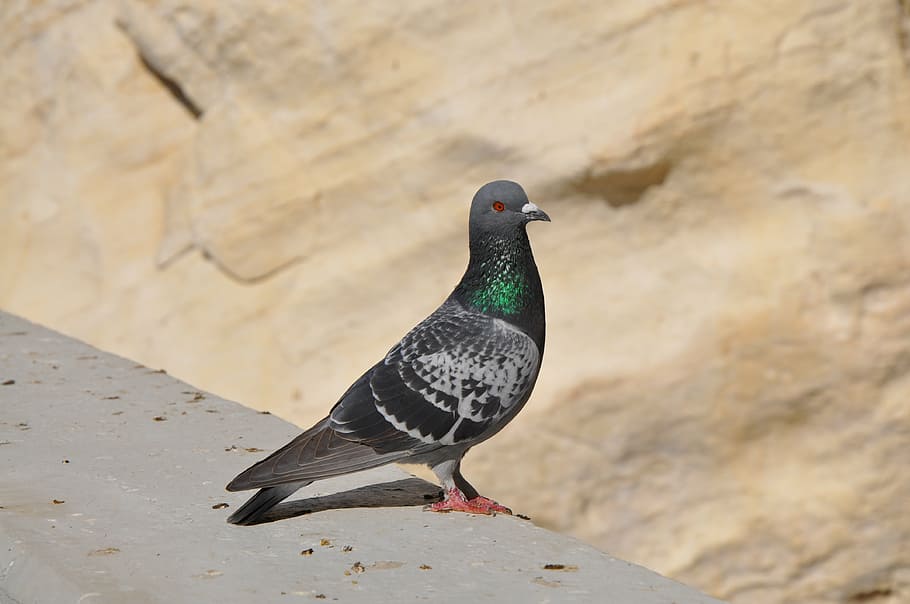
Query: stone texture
[[262, 198]]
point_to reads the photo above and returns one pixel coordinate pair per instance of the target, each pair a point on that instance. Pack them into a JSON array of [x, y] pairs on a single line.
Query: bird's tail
[[256, 506], [316, 454]]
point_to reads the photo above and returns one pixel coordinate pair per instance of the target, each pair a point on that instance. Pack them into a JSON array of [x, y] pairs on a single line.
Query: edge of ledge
[[116, 490]]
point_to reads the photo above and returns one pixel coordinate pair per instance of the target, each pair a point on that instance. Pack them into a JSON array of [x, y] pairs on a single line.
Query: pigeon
[[453, 381]]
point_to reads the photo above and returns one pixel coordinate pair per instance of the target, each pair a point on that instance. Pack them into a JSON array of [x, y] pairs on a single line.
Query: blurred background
[[262, 198]]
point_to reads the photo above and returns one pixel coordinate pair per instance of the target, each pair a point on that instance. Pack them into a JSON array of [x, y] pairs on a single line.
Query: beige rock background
[[261, 197]]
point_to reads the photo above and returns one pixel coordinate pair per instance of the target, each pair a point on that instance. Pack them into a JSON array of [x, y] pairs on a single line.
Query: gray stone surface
[[111, 480]]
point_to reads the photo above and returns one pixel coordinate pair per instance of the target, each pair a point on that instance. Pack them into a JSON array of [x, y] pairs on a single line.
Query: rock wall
[[262, 197]]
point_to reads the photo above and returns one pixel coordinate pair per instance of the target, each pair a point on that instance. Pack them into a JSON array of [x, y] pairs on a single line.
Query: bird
[[453, 381]]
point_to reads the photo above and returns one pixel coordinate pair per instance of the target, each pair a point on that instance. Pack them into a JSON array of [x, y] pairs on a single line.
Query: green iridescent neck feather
[[505, 293], [501, 278]]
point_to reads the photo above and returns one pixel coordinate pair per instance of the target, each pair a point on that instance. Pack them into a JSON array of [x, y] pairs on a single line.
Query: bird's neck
[[502, 279]]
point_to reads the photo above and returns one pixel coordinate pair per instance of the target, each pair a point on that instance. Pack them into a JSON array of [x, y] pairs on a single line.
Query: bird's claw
[[455, 501]]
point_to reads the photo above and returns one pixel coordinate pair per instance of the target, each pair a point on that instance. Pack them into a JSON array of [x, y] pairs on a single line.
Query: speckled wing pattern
[[452, 377]]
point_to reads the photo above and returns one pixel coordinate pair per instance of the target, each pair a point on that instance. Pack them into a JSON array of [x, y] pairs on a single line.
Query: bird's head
[[503, 205]]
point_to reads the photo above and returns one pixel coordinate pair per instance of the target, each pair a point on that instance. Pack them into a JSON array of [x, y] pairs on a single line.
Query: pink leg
[[455, 501]]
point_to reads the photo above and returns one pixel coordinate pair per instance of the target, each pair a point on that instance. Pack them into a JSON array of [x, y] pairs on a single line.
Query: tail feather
[[316, 454], [256, 506]]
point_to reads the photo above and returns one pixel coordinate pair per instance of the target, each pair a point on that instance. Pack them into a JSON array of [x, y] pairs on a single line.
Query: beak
[[532, 212]]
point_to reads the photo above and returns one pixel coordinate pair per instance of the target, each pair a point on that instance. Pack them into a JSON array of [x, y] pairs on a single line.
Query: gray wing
[[453, 378]]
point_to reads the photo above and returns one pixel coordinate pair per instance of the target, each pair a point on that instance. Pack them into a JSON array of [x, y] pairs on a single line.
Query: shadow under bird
[[452, 382]]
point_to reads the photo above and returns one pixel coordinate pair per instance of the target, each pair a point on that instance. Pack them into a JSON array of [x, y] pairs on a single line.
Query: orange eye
[[499, 206]]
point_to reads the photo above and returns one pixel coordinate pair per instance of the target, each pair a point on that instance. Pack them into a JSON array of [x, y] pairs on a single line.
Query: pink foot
[[455, 501]]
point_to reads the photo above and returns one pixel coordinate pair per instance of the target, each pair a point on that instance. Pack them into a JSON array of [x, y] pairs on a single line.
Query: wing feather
[[454, 376]]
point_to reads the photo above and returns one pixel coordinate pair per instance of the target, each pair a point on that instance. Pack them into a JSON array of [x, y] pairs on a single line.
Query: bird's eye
[[499, 206]]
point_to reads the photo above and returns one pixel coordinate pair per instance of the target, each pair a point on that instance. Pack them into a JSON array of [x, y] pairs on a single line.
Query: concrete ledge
[[111, 490]]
